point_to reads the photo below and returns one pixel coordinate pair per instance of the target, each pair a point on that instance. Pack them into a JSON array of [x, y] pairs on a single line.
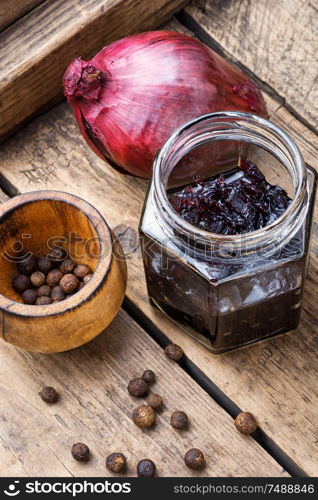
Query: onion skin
[[135, 92]]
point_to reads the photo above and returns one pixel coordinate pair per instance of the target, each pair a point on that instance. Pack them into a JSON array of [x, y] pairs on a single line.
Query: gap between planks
[[17, 9], [213, 390], [250, 34], [95, 407], [36, 50], [199, 377]]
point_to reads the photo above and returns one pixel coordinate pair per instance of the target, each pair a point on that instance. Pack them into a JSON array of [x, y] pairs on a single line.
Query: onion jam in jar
[[225, 229]]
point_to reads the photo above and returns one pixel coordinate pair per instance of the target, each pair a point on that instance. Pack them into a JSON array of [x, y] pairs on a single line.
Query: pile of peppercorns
[[45, 280], [144, 416]]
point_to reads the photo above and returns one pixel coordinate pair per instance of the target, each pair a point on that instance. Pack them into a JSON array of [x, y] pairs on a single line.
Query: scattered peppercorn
[[87, 278], [155, 401], [20, 283], [43, 301], [28, 266], [81, 270], [69, 283], [80, 452], [194, 459], [246, 423], [49, 395], [54, 277], [45, 265], [174, 351], [116, 462], [44, 291], [179, 420], [148, 376], [146, 468], [67, 266], [57, 294], [37, 278], [143, 416], [137, 387], [29, 296]]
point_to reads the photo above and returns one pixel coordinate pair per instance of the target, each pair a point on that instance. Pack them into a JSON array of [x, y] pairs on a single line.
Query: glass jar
[[228, 291]]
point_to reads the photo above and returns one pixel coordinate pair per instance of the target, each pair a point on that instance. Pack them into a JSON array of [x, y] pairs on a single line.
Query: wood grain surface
[[36, 50], [277, 41], [3, 196], [13, 10], [95, 408], [276, 380]]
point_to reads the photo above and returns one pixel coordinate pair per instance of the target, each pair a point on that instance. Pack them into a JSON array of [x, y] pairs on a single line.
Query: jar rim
[[248, 239]]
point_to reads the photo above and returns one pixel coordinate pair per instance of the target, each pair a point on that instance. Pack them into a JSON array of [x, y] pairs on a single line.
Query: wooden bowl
[[39, 221]]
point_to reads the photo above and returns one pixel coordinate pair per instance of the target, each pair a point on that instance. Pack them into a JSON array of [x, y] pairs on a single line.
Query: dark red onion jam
[[237, 202]]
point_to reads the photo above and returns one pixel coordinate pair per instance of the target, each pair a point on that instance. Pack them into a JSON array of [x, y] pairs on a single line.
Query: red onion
[[135, 92]]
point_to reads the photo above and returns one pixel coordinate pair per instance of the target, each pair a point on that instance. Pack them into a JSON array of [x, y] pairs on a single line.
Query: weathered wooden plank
[[277, 41], [95, 407], [50, 153], [36, 50], [9, 463], [275, 380], [16, 9]]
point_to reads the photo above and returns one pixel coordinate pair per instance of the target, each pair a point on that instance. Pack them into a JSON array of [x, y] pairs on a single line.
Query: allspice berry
[[45, 265], [44, 291], [146, 468], [69, 283], [49, 279], [81, 270], [54, 277], [143, 416], [57, 254], [179, 420], [87, 278], [116, 462], [67, 266], [37, 278], [43, 301], [174, 351], [30, 296], [49, 395], [28, 266], [148, 376], [194, 459], [155, 401], [137, 387], [245, 422], [57, 294], [20, 283], [80, 452]]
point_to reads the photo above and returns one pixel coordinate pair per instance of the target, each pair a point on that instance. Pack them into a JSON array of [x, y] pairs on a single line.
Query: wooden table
[[276, 43]]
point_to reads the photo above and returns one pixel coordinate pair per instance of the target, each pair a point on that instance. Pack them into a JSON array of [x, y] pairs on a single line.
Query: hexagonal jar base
[[251, 292]]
